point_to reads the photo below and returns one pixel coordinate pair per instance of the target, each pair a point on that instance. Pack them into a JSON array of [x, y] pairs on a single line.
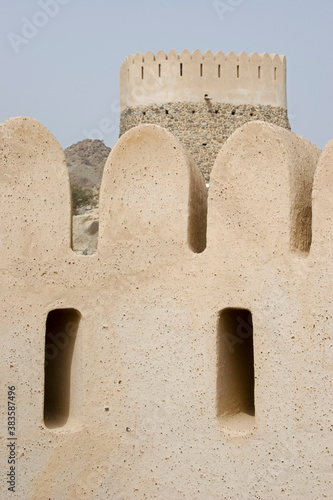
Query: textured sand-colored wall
[[147, 79], [150, 414]]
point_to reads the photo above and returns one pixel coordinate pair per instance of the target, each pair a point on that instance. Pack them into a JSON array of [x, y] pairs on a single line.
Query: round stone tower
[[202, 98]]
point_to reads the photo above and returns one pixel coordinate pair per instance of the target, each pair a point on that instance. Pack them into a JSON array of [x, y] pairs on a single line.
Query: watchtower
[[202, 98]]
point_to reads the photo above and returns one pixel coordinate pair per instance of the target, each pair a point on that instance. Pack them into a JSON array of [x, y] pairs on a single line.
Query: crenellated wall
[[146, 79], [202, 128], [192, 355], [202, 98]]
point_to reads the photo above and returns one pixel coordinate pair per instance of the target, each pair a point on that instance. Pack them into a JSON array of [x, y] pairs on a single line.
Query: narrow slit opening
[[181, 69], [159, 70], [237, 71], [197, 216], [60, 336], [219, 71], [142, 73], [258, 72], [201, 69], [235, 358]]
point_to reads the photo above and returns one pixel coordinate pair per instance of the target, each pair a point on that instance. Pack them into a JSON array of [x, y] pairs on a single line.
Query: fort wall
[[200, 367]]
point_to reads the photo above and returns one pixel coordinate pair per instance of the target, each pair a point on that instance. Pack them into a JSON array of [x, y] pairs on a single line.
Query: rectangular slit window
[[142, 73], [274, 73], [237, 70], [201, 70], [219, 71], [258, 72], [235, 377], [181, 69], [61, 330], [159, 70]]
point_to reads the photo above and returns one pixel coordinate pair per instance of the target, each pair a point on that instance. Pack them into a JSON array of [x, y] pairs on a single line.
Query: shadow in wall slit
[[61, 331], [235, 377]]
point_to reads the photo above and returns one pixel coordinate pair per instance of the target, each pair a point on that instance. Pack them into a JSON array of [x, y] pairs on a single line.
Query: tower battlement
[[202, 98], [147, 79]]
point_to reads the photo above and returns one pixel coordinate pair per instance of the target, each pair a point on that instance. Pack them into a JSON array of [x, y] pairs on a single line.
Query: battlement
[[254, 79], [195, 345]]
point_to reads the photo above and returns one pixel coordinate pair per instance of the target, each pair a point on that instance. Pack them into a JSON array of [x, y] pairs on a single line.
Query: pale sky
[[60, 59]]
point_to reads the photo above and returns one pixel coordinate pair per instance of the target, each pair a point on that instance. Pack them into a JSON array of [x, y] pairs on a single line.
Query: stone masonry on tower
[[202, 98]]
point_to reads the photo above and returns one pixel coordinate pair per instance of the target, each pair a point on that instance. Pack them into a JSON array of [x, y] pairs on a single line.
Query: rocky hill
[[86, 160]]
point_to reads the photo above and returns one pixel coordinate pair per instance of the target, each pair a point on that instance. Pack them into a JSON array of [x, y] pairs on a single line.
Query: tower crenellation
[[201, 97], [230, 78]]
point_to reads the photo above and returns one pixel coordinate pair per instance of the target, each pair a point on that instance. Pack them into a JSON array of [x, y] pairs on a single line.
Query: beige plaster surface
[[147, 371], [147, 79]]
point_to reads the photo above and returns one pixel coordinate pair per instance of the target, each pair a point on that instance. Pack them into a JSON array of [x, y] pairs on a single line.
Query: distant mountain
[[86, 160]]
